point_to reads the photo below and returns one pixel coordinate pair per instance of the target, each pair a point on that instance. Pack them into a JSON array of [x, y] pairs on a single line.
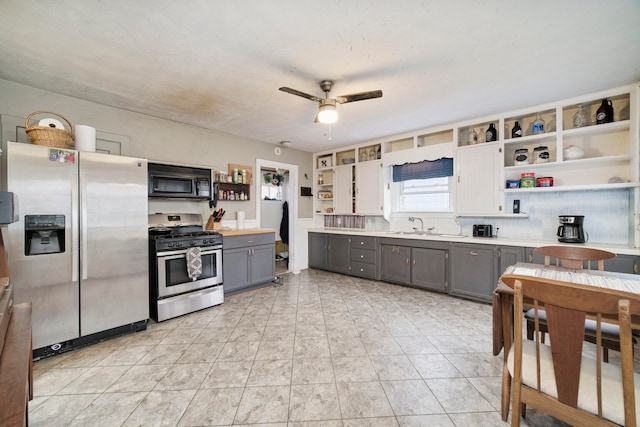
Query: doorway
[[278, 182]]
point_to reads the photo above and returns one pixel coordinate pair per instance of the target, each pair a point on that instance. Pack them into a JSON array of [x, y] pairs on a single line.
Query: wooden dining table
[[503, 302], [503, 294]]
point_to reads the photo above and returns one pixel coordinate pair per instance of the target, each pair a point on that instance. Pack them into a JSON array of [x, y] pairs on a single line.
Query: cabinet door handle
[[361, 256], [361, 242], [530, 257], [635, 268], [473, 253], [362, 270]]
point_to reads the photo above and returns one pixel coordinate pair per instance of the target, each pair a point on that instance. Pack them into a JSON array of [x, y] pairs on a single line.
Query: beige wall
[[165, 141]]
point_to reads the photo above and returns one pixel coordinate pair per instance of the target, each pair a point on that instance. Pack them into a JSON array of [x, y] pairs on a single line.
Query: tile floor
[[321, 350]]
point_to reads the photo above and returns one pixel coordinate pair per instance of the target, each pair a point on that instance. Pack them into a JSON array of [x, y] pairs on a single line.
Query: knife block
[[212, 225]]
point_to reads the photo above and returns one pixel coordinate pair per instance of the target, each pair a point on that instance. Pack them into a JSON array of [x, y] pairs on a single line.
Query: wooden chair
[[557, 378], [577, 257]]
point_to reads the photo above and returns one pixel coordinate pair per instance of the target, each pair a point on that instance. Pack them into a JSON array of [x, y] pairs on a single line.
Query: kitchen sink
[[424, 233]]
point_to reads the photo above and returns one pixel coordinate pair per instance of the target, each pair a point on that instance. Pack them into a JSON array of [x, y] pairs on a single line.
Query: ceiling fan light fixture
[[327, 113]]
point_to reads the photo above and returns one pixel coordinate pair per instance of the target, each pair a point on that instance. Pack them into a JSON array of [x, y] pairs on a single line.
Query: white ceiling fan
[[327, 112]]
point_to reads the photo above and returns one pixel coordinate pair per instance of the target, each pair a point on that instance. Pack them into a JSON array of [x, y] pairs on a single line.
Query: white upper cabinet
[[477, 171], [369, 186]]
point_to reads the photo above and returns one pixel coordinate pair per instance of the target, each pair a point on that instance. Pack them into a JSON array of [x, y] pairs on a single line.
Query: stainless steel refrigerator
[[79, 251]]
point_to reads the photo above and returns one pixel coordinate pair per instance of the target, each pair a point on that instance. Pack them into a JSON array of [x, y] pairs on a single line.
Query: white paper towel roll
[[240, 220], [85, 138]]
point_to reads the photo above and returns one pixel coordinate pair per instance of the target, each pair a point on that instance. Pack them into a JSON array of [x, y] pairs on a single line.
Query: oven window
[[176, 270]]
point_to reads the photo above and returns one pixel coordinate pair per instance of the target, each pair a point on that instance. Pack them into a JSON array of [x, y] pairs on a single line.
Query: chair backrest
[[566, 306], [574, 256]]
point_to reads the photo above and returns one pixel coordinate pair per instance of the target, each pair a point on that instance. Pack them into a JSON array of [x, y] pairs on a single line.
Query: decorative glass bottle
[[481, 136], [491, 134], [538, 125], [605, 112], [516, 132], [472, 138], [580, 117]]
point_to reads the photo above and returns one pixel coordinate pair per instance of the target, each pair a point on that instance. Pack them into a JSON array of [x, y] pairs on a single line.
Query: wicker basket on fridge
[[49, 136]]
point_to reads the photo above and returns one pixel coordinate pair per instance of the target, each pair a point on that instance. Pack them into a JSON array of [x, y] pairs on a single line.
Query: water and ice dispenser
[[43, 234]]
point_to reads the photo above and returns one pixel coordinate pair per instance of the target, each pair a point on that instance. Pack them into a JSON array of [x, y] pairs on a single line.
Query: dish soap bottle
[[516, 132], [538, 125], [492, 133], [580, 117]]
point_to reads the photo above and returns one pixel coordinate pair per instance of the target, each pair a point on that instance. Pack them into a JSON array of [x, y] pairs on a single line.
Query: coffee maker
[[570, 229]]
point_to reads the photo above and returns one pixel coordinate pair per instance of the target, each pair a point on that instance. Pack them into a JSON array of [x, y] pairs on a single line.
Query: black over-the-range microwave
[[179, 182]]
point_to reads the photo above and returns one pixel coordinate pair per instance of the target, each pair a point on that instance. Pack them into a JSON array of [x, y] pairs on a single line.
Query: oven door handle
[[181, 253]]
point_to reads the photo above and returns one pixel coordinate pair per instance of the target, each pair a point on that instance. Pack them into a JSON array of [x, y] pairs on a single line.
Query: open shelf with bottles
[[369, 152], [476, 134], [228, 191], [544, 121], [621, 112]]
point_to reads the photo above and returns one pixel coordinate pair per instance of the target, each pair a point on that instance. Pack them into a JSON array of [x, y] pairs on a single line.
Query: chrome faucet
[[412, 219]]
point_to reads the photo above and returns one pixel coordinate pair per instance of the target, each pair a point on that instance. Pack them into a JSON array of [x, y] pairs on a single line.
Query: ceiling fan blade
[[302, 94], [359, 96]]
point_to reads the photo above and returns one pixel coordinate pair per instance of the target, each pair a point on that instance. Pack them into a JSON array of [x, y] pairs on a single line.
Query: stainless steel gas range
[[175, 242]]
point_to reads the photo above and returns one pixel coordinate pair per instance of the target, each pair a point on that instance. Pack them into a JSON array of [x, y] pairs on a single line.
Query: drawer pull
[[362, 270], [473, 253], [250, 241], [361, 256], [361, 242]]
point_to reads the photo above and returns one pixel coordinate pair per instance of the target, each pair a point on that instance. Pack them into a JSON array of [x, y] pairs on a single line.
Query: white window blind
[[426, 195]]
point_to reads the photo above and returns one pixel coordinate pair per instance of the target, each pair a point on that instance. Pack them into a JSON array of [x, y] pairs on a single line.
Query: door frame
[[290, 197]]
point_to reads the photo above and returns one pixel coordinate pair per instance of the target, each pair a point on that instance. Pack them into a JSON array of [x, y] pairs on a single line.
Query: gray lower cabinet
[[474, 271], [330, 252], [317, 250], [429, 269], [395, 266], [629, 264], [509, 255], [248, 261], [623, 264], [338, 253]]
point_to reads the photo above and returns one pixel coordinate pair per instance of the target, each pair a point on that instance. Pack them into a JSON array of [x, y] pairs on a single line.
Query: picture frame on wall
[[324, 162]]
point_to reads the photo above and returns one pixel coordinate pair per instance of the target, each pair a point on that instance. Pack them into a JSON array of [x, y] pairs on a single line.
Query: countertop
[[619, 249], [235, 232]]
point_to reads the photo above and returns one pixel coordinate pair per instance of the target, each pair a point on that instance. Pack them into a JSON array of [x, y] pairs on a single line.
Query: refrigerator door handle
[[84, 230], [74, 228]]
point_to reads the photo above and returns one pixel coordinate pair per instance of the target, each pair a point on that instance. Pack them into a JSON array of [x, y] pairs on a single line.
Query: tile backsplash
[[607, 215]]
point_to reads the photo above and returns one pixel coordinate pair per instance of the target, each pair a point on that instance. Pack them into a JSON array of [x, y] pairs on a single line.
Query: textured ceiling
[[219, 64]]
